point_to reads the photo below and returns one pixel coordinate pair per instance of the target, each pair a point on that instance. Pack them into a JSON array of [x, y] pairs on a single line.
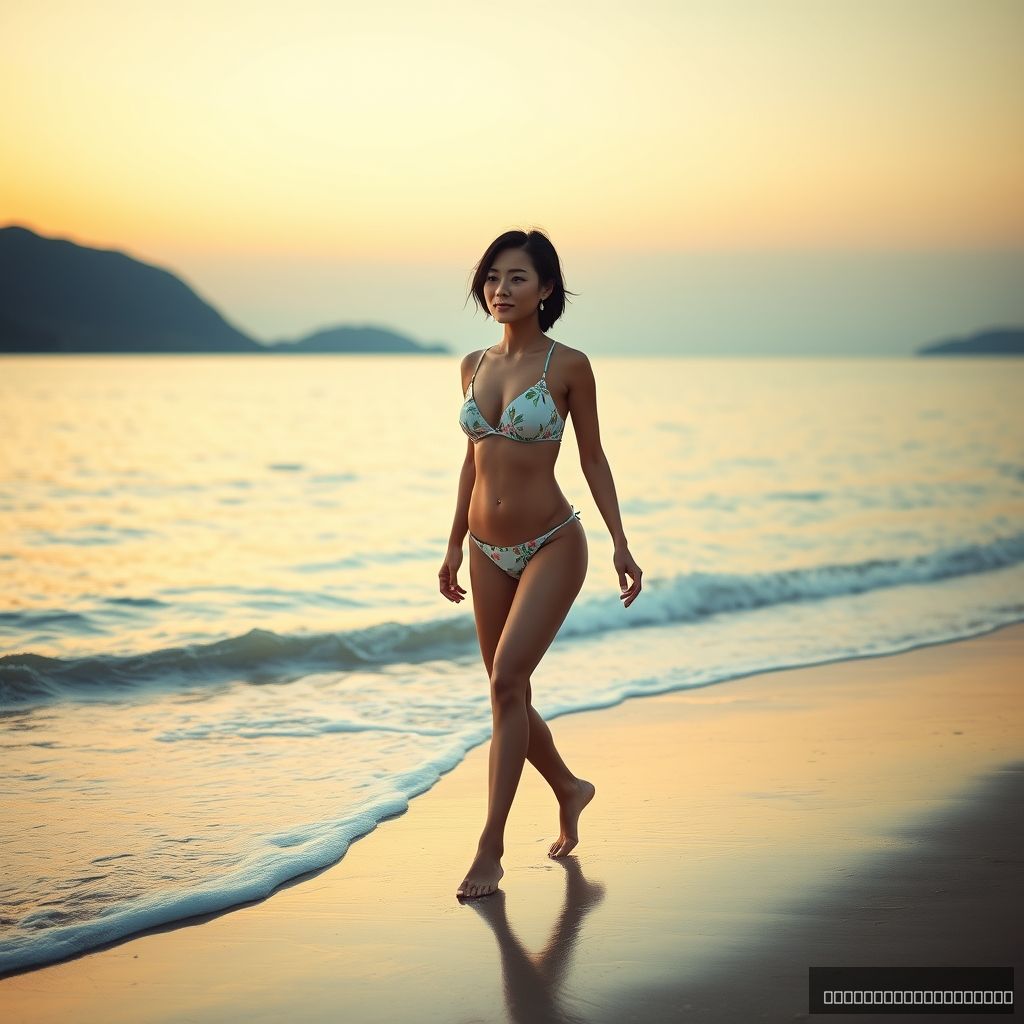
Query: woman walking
[[528, 559]]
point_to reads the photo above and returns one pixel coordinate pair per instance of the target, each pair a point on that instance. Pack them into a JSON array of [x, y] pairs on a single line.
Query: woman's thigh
[[493, 591], [547, 588]]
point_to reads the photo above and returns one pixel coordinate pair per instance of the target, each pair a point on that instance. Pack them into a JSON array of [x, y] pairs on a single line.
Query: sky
[[793, 177]]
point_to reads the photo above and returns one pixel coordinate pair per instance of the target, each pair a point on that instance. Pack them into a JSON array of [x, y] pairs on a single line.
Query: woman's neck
[[521, 340]]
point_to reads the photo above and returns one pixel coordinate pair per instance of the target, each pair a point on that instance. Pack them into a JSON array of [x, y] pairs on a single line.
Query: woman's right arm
[[448, 574], [467, 478]]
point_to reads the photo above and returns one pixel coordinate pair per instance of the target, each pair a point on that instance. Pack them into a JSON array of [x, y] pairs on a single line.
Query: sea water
[[224, 652]]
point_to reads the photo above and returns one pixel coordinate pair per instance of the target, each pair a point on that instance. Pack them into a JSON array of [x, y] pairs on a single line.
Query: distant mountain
[[57, 296], [998, 341], [355, 339]]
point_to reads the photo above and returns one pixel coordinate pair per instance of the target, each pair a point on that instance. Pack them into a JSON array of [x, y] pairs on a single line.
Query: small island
[[996, 341]]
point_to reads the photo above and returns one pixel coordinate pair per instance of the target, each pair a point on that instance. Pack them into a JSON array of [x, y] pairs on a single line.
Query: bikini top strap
[[548, 360], [478, 362]]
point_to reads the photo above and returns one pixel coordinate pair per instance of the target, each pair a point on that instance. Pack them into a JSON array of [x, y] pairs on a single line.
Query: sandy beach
[[863, 812]]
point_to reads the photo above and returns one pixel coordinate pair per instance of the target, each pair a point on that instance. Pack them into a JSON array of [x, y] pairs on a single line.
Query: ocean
[[224, 656]]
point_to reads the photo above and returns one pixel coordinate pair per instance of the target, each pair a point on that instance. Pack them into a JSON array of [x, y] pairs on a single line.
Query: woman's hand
[[624, 564], [448, 575]]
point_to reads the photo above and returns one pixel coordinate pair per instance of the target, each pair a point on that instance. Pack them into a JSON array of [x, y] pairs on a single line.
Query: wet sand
[[864, 812]]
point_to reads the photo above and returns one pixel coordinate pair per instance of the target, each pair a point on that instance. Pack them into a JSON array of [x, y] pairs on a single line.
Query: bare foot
[[569, 811], [482, 878]]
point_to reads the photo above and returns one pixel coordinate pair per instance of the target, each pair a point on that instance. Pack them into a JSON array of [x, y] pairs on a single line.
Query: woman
[[527, 573]]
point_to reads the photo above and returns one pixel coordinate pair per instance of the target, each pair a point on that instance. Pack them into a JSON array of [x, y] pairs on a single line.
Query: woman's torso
[[515, 496]]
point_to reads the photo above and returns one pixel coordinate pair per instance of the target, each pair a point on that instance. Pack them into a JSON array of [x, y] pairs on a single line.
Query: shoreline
[[728, 824]]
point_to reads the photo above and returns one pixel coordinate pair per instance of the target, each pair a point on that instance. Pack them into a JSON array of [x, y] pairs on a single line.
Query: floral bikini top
[[529, 417]]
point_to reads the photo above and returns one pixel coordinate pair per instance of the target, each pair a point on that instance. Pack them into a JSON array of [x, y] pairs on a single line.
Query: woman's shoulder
[[569, 358], [470, 358], [468, 365]]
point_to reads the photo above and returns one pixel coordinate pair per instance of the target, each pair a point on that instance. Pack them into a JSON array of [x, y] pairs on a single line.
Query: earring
[[542, 305]]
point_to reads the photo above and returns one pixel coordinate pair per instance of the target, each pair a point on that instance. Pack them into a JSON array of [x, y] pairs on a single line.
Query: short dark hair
[[545, 261]]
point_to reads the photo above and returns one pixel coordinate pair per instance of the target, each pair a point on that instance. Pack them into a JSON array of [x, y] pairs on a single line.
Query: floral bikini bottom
[[513, 559]]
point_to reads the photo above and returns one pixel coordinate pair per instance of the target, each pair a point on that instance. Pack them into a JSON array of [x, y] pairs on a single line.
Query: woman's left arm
[[594, 463]]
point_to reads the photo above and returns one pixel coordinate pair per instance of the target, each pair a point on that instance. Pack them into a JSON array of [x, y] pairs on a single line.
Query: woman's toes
[[564, 847]]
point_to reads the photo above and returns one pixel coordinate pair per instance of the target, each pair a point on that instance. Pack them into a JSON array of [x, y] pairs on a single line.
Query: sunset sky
[[729, 176]]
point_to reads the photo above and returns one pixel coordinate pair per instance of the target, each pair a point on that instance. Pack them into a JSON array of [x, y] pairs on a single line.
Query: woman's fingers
[[627, 567], [449, 589], [629, 596]]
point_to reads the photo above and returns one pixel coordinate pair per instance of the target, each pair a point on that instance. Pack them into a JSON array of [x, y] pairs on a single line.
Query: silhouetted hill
[[57, 296], [1001, 341], [22, 338], [355, 339]]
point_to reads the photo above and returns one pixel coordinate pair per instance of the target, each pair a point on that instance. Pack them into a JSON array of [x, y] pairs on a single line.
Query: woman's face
[[512, 283]]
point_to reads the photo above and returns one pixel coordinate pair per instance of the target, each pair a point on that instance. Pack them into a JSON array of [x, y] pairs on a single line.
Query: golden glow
[[341, 131]]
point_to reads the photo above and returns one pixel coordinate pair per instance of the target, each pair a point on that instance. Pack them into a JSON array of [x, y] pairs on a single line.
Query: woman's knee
[[509, 685]]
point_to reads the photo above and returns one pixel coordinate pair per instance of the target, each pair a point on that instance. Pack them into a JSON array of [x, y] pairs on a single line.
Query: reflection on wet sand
[[532, 983]]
